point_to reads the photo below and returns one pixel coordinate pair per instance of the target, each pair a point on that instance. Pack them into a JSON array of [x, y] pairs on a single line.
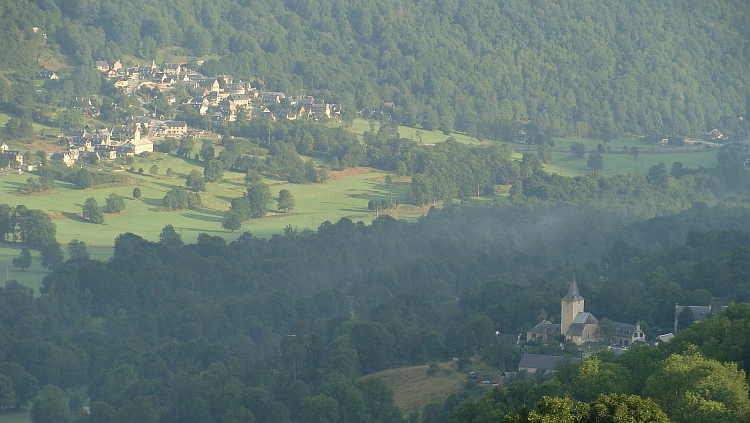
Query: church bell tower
[[571, 305]]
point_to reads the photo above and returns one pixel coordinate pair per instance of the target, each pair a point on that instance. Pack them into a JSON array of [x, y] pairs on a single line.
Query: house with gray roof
[[699, 313], [626, 335], [531, 363], [542, 331]]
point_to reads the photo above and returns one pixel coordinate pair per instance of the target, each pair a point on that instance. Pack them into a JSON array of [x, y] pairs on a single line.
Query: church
[[580, 327]]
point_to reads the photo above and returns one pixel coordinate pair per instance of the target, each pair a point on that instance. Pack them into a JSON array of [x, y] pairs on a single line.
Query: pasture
[[413, 389], [346, 194], [615, 164], [359, 126]]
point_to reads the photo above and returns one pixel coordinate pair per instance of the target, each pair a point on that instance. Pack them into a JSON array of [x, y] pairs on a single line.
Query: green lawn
[[359, 126], [4, 118], [615, 164], [15, 417], [31, 277], [345, 196]]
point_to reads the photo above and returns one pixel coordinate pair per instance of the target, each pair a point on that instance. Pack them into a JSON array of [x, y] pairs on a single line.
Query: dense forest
[[602, 68], [283, 329], [291, 328]]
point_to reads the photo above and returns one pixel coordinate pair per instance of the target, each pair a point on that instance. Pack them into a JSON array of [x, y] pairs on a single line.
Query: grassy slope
[[345, 195], [614, 164], [413, 389], [359, 126], [16, 417], [619, 163]]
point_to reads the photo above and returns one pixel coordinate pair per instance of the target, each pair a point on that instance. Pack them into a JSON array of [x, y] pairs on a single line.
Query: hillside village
[[220, 97], [223, 99]]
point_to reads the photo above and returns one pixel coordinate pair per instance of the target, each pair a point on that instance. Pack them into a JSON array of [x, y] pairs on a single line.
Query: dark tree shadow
[[153, 201], [202, 217], [167, 186], [224, 198], [74, 217]]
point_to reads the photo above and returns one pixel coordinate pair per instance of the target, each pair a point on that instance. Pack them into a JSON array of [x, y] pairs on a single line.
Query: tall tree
[[258, 197], [286, 200], [77, 250], [50, 407], [196, 181], [213, 171], [170, 237], [595, 161], [114, 204], [207, 151], [23, 261], [690, 388], [92, 212]]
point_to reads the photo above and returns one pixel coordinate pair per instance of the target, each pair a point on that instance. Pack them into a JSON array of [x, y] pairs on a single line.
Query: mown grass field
[[615, 164], [359, 126], [31, 277], [618, 162], [15, 417], [413, 389], [4, 118], [346, 194]]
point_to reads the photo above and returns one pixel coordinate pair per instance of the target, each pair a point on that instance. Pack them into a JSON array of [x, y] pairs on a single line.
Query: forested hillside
[[280, 330], [599, 68]]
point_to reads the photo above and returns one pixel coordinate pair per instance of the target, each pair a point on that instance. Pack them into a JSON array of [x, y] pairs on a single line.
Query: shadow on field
[[335, 204], [163, 185], [75, 217], [202, 217], [212, 212], [153, 201], [224, 198]]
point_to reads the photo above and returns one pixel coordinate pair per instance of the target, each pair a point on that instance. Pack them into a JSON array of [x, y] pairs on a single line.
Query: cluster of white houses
[[221, 101], [113, 142]]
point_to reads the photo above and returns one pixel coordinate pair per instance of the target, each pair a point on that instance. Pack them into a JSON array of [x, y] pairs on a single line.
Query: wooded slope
[[598, 68]]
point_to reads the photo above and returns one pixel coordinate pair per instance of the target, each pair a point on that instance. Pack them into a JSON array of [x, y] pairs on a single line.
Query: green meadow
[[359, 126], [346, 194], [617, 162], [614, 163]]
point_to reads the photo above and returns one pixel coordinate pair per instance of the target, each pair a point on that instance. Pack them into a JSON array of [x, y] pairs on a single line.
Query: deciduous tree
[[286, 200], [50, 407], [92, 212], [23, 261]]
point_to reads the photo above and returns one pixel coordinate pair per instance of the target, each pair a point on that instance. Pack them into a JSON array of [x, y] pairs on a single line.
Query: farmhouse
[[699, 313], [106, 151], [14, 156], [61, 158], [175, 128]]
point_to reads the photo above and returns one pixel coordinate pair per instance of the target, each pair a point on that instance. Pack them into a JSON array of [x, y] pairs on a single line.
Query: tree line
[[205, 330]]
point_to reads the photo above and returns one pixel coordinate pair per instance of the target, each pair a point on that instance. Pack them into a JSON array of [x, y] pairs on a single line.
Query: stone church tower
[[572, 304]]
